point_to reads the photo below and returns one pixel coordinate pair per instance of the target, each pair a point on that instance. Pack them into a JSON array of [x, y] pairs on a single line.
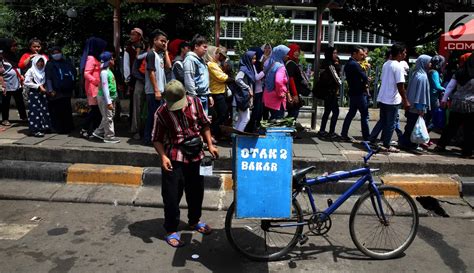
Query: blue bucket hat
[[105, 58]]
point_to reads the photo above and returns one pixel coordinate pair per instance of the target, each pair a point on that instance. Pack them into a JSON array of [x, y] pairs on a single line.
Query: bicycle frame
[[365, 174]]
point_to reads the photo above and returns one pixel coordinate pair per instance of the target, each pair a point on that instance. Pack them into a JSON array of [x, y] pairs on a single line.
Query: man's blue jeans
[[388, 115], [357, 103]]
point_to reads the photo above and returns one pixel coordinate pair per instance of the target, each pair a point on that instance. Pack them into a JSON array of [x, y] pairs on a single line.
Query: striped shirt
[[172, 127]]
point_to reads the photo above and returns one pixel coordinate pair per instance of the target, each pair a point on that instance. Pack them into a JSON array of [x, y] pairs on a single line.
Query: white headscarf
[[38, 74]]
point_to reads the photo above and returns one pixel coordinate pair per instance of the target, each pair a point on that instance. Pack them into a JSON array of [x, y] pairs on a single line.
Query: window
[[371, 38], [237, 12], [356, 36], [342, 36], [364, 37], [296, 32], [304, 30], [229, 28], [311, 32], [325, 33], [283, 12], [304, 14]]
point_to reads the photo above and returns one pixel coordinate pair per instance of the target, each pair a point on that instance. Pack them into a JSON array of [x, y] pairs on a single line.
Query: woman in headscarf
[[462, 110], [90, 67], [436, 90], [60, 83], [330, 76], [257, 110], [12, 81], [418, 94], [295, 79], [39, 122], [276, 83], [245, 79]]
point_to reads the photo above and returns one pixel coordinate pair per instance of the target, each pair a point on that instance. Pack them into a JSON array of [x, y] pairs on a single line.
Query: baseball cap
[[175, 95], [105, 58], [222, 51], [138, 30]]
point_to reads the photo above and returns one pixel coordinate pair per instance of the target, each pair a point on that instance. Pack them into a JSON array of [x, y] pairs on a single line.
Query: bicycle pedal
[[303, 239]]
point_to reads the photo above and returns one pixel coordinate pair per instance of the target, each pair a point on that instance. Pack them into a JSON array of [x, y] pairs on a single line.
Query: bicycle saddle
[[300, 173]]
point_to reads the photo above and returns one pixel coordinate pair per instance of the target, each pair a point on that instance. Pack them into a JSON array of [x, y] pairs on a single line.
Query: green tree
[[263, 27], [48, 20], [430, 48]]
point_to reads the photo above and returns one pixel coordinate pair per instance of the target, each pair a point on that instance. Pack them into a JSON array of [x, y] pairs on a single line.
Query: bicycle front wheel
[[264, 240], [384, 238]]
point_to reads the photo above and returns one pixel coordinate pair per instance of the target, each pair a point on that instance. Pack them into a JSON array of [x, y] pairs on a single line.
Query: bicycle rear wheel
[[381, 239], [263, 240]]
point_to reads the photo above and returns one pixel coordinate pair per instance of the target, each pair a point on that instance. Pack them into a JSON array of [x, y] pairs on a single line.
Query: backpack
[[305, 86], [242, 97], [139, 68]]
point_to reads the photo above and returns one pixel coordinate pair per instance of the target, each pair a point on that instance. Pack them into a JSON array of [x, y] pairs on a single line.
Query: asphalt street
[[73, 237]]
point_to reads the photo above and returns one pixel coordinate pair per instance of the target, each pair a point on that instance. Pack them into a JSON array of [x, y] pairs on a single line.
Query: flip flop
[[202, 228], [174, 236]]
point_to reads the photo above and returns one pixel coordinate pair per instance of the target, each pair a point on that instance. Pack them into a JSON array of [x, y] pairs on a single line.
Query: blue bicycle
[[382, 223]]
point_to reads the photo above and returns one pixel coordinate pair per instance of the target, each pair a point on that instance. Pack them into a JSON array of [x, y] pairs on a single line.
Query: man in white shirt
[[392, 93]]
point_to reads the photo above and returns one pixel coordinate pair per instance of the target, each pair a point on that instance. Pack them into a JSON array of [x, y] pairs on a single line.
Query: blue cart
[[262, 173]]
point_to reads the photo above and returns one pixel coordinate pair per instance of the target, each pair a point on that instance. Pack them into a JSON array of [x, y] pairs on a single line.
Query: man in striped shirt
[[179, 119]]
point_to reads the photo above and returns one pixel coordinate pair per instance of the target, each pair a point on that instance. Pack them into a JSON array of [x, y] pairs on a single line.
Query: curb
[[151, 159], [432, 185]]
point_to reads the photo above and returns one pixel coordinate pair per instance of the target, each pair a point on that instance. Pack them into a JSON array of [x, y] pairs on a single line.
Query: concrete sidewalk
[[327, 156]]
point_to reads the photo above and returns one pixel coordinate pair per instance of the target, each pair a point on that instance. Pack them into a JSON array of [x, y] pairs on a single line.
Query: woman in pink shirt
[[276, 83], [90, 66]]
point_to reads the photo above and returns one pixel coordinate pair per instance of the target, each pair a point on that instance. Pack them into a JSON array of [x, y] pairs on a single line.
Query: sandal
[[202, 228], [390, 149], [174, 237]]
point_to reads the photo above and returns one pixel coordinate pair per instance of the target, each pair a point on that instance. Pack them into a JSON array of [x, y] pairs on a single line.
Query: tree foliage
[[48, 21], [263, 28], [411, 22]]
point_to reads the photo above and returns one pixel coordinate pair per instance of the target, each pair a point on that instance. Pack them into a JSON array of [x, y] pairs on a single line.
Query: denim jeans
[[378, 128], [357, 103], [330, 105], [205, 103], [152, 105], [388, 115]]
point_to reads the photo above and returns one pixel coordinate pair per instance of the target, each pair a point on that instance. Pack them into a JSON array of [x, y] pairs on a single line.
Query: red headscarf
[[464, 58], [293, 48], [173, 48]]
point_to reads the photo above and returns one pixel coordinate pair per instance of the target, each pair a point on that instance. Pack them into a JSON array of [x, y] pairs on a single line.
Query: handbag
[[191, 147]]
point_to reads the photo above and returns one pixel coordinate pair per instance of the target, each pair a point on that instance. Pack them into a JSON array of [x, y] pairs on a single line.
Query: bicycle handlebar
[[370, 151]]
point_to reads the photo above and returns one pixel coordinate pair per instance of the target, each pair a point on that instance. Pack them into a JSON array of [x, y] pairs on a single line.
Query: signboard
[[263, 175]]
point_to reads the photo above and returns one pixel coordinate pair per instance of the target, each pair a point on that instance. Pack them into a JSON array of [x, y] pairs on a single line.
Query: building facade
[[303, 21]]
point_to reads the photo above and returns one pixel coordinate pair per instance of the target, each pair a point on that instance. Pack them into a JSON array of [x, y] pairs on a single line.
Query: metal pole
[[117, 28], [217, 22], [332, 31], [318, 31]]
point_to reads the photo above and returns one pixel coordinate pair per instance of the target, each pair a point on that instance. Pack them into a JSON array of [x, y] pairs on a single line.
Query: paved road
[[106, 238]]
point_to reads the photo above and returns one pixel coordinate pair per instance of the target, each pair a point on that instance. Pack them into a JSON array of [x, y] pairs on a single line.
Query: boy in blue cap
[[106, 99]]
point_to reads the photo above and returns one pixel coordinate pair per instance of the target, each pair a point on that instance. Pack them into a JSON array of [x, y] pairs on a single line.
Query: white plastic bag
[[420, 135]]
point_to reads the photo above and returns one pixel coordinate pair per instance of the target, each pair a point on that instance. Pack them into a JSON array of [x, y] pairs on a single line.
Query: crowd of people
[[420, 92]]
